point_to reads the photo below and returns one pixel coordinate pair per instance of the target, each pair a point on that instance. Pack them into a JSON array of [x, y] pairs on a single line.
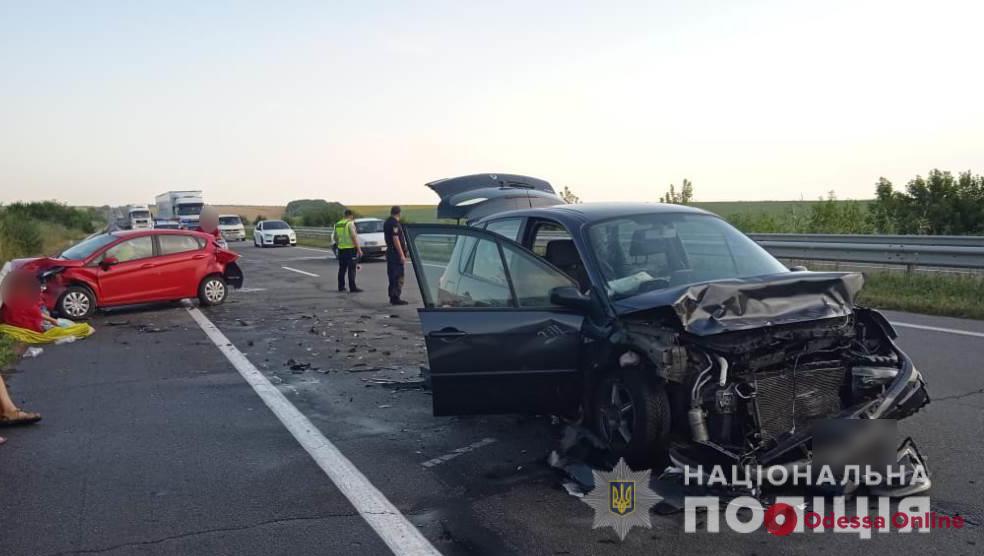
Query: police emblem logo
[[621, 499]]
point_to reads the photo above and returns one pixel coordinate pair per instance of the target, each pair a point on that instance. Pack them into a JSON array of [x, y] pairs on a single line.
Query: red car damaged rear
[[134, 267]]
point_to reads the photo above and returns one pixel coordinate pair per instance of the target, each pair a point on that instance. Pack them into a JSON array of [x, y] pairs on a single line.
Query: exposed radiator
[[784, 400]]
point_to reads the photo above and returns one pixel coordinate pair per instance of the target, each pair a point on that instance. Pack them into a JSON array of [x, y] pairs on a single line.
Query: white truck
[[183, 207], [138, 217]]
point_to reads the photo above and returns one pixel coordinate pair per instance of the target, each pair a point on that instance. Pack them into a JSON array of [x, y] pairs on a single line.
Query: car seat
[[563, 254]]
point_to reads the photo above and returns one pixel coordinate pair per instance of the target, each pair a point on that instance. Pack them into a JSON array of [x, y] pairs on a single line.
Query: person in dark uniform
[[396, 258]]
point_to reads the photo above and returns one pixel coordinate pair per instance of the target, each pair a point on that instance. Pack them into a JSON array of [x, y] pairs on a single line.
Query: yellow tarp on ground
[[78, 330]]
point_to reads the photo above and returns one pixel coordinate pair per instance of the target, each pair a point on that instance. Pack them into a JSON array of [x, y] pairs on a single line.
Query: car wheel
[[212, 291], [77, 303], [632, 416]]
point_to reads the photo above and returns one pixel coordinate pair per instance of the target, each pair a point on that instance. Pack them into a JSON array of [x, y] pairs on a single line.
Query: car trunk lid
[[476, 196]]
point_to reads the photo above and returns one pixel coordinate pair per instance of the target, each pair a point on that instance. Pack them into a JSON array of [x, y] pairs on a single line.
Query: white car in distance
[[371, 239], [231, 227], [268, 233]]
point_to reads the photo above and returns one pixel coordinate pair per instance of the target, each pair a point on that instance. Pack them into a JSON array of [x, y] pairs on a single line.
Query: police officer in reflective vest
[[349, 252]]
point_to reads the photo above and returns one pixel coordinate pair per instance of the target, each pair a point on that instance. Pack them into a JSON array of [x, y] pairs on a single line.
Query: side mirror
[[570, 297], [798, 268], [108, 262]]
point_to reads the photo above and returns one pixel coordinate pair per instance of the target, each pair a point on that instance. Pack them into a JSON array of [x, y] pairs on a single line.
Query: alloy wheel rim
[[76, 304], [617, 415], [214, 290]]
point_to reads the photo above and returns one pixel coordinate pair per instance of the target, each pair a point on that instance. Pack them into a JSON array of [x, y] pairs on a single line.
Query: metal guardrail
[[314, 232], [966, 252], [957, 241]]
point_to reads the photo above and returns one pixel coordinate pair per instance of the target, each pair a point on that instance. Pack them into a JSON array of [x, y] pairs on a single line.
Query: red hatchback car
[[132, 267]]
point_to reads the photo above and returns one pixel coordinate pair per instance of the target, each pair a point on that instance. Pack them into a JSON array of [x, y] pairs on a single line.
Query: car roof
[[155, 231], [368, 219], [230, 216], [587, 213]]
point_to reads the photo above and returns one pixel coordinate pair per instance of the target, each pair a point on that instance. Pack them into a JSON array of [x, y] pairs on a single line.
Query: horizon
[[362, 104]]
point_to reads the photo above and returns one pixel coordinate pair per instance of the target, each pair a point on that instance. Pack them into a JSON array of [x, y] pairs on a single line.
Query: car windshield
[[190, 209], [653, 251], [369, 227], [139, 214], [86, 248], [229, 220], [275, 225]]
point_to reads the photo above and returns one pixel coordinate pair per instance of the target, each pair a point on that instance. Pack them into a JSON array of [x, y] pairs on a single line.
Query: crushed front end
[[751, 387]]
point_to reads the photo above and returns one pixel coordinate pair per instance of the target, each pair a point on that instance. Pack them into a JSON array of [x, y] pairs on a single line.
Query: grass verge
[[6, 351], [945, 295]]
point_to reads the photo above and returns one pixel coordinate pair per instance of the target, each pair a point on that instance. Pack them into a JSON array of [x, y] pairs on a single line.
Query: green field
[[428, 213], [411, 213], [728, 208]]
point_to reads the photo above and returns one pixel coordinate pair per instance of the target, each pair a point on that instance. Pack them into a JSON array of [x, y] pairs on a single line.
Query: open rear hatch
[[476, 196]]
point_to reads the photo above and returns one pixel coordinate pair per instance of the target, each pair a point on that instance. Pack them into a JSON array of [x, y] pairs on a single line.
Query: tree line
[[940, 203]]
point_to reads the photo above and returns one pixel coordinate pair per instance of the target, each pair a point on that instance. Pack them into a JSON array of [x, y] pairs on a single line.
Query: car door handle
[[198, 256], [448, 333], [145, 266]]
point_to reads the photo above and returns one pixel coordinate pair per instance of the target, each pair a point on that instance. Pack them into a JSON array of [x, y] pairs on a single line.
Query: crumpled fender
[[40, 264], [731, 305]]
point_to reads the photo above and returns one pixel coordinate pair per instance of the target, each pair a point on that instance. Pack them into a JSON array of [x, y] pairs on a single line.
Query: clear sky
[[362, 102]]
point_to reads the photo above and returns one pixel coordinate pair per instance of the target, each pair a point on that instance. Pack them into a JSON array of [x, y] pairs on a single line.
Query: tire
[[627, 403], [76, 303], [212, 291]]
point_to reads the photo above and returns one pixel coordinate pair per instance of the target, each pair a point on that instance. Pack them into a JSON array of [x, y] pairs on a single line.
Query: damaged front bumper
[[792, 456]]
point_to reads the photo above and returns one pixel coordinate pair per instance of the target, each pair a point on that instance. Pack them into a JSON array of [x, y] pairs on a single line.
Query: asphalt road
[[154, 443]]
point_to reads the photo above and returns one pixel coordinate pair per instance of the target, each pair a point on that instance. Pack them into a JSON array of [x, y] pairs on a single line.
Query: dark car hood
[[741, 304], [480, 195]]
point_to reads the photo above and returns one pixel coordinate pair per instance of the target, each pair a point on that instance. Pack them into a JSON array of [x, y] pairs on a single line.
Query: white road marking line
[[939, 329], [455, 453], [250, 290], [392, 527], [304, 272]]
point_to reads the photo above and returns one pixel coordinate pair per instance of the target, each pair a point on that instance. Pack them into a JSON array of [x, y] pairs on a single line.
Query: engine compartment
[[754, 396]]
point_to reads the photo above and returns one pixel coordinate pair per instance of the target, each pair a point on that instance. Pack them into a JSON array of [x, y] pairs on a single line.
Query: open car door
[[494, 341]]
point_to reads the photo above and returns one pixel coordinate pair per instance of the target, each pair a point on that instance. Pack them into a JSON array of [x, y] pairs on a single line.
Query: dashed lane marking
[[458, 452], [939, 329], [392, 527], [312, 258], [304, 272], [315, 249]]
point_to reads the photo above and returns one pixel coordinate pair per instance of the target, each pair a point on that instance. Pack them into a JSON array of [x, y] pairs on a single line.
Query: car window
[[485, 263], [369, 227], [86, 248], [178, 244], [229, 221], [461, 270], [646, 252], [507, 227], [533, 280], [544, 233], [131, 249]]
